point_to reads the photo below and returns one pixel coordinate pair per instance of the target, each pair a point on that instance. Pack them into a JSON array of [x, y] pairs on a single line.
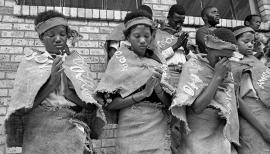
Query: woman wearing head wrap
[[133, 85], [116, 37], [52, 110], [253, 96], [205, 100]]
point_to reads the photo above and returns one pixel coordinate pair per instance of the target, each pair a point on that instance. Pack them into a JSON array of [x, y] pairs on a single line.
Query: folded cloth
[[126, 72], [33, 73]]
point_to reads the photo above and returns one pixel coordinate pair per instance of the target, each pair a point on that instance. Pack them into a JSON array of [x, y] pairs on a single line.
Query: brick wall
[[17, 35], [264, 8]]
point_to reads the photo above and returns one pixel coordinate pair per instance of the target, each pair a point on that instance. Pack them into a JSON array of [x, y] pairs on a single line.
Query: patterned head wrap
[[57, 21], [138, 21]]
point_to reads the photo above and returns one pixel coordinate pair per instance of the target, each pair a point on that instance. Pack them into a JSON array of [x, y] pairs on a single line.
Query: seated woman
[[52, 110], [133, 86], [205, 99], [253, 96]]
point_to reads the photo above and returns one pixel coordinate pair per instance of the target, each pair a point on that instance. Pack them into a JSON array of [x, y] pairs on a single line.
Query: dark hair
[[176, 8], [146, 8], [43, 16], [249, 18], [225, 35], [205, 10], [237, 28], [133, 15]]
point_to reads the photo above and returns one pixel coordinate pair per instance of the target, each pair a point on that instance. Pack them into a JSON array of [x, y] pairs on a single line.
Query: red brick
[[110, 15], [100, 74], [102, 59], [96, 143], [153, 1], [2, 137], [23, 42], [29, 21], [10, 75], [6, 83], [123, 14], [2, 130], [24, 26], [17, 10], [97, 52], [6, 10], [3, 92], [168, 2], [5, 26], [4, 100], [103, 14], [107, 142], [10, 3], [88, 44], [8, 66], [77, 22], [31, 34], [82, 51], [2, 149], [12, 19], [9, 49], [25, 10], [33, 10], [66, 11], [110, 126], [106, 29], [89, 13], [5, 41], [161, 7], [101, 44], [96, 13], [98, 36], [97, 67], [117, 15], [108, 133], [58, 9], [109, 150], [74, 12], [2, 75], [4, 58], [10, 92], [38, 43], [16, 58], [41, 9], [17, 34], [94, 23], [104, 23], [81, 12], [92, 59], [2, 3], [88, 29]]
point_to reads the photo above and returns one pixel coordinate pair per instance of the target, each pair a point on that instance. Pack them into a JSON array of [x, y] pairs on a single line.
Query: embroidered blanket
[[126, 72], [195, 77], [260, 75], [35, 70]]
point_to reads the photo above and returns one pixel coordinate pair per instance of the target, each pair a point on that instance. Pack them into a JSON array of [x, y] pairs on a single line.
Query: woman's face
[[140, 38], [55, 39], [246, 43]]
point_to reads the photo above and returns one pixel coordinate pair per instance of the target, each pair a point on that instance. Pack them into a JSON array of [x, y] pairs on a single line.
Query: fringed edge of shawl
[[224, 115], [179, 111], [168, 88]]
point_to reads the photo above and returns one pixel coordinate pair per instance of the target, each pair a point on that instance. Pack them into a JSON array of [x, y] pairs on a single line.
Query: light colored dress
[[216, 129], [53, 126], [250, 139], [142, 128]]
